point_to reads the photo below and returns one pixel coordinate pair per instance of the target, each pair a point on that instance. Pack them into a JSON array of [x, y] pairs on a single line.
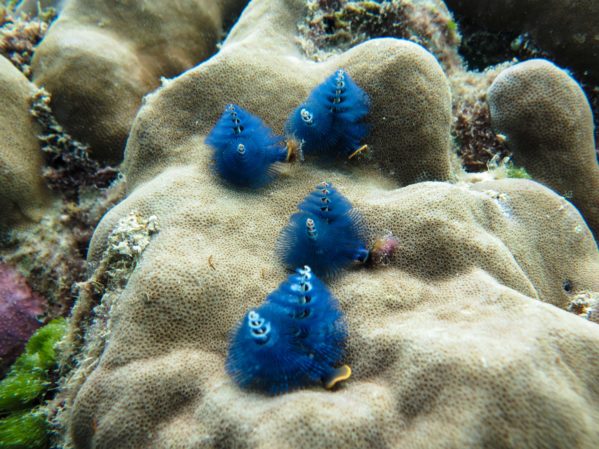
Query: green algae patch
[[23, 423], [21, 388], [517, 172], [24, 430]]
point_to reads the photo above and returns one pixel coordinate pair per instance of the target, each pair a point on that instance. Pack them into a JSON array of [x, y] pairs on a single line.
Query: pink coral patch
[[20, 308]]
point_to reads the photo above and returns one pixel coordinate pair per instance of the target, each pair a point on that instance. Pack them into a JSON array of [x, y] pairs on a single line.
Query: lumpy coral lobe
[[447, 338]]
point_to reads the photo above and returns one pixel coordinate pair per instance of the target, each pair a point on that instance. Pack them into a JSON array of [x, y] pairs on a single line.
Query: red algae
[[20, 308]]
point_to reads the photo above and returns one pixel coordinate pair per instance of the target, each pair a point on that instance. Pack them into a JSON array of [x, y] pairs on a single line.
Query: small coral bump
[[584, 304], [131, 235], [293, 340], [383, 249], [246, 151], [326, 234], [330, 121]]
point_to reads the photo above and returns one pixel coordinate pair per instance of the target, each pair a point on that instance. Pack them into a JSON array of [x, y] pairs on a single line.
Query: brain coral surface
[[459, 342]]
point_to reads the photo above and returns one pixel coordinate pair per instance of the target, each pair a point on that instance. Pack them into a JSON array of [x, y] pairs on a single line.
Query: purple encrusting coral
[[20, 308]]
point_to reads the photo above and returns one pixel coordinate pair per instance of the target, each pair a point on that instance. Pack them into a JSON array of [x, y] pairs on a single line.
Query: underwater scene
[[292, 224]]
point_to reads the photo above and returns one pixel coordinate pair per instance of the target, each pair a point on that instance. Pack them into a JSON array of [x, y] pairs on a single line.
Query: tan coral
[[548, 123], [410, 135], [456, 342], [585, 304], [448, 334], [24, 195], [100, 57]]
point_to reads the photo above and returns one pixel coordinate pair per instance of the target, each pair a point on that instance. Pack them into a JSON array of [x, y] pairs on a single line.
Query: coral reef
[[51, 254], [170, 324], [417, 121], [44, 235], [69, 169], [19, 34], [562, 32], [24, 197], [477, 143], [548, 124], [23, 423], [332, 27], [20, 309], [50, 251], [99, 58], [566, 28], [457, 340], [127, 241], [477, 299]]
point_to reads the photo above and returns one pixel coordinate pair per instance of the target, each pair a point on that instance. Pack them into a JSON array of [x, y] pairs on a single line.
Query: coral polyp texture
[[327, 233], [461, 338], [331, 121], [416, 122], [24, 196], [547, 121], [295, 339], [245, 149], [99, 58]]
